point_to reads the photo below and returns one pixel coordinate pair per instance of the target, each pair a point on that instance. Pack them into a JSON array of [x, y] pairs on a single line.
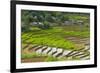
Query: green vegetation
[[29, 55], [55, 37], [46, 19], [50, 58], [46, 58], [52, 29]]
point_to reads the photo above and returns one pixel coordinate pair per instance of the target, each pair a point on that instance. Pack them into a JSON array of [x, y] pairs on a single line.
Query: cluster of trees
[[48, 17]]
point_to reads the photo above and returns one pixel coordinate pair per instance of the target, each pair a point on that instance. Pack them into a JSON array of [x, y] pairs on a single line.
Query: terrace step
[[59, 52]]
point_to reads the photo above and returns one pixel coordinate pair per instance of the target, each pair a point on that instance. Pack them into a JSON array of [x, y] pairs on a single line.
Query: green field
[[51, 30], [55, 37]]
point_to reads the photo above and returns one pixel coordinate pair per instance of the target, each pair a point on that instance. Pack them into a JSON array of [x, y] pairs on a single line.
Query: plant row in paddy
[[55, 37]]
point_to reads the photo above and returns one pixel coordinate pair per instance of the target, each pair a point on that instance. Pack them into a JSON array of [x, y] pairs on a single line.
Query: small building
[[36, 23], [80, 22]]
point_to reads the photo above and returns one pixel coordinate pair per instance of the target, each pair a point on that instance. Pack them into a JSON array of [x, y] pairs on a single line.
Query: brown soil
[[79, 42], [36, 59]]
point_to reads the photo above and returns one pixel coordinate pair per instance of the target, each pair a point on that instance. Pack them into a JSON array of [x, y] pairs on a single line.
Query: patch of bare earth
[[79, 42], [35, 59]]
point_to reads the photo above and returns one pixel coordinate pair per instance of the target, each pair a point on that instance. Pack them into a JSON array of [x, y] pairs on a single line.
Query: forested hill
[[52, 18]]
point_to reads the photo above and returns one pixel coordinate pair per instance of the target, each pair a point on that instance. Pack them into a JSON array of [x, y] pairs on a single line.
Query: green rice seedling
[[28, 55], [51, 59]]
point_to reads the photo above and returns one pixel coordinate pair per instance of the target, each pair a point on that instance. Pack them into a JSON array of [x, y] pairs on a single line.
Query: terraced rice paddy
[[55, 45], [41, 52], [48, 36]]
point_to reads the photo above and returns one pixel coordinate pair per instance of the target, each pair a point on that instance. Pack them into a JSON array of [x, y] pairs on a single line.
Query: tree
[[44, 19], [26, 18]]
